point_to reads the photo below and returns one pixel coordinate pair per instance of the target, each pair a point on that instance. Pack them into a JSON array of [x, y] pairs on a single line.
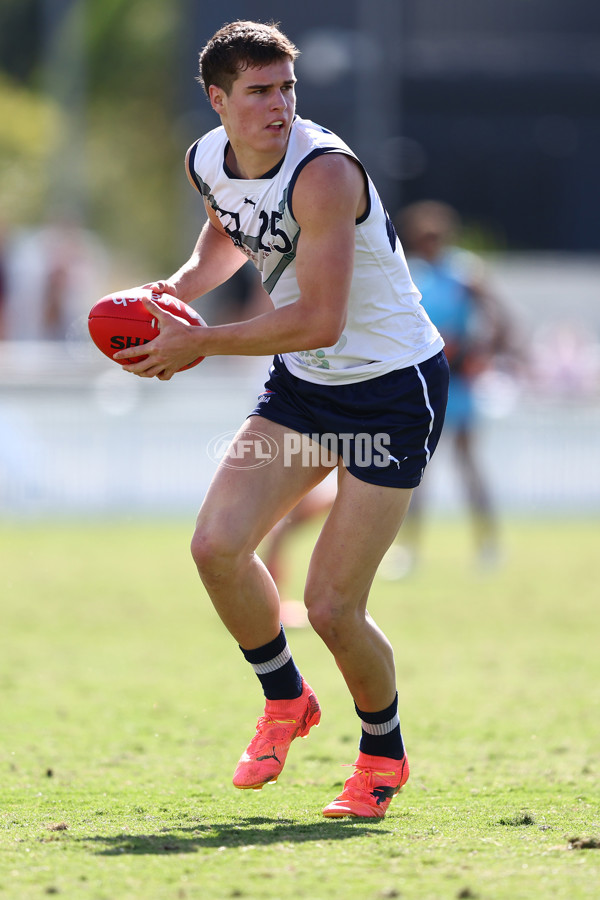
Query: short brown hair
[[241, 45]]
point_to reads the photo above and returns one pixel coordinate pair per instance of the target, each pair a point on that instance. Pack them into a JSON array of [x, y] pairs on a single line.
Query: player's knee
[[210, 549], [326, 614]]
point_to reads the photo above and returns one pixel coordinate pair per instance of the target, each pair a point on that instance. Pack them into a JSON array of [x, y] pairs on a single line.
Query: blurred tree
[[29, 121], [126, 84], [134, 156]]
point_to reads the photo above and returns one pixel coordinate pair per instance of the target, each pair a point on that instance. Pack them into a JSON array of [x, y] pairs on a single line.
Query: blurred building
[[492, 107]]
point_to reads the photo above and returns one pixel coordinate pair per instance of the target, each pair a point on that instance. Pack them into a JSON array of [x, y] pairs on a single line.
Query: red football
[[121, 320]]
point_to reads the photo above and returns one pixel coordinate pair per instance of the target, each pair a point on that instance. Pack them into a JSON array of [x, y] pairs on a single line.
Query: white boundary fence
[[80, 437]]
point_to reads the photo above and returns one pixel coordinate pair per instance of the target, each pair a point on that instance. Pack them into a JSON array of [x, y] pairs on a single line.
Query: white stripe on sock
[[273, 664], [381, 727]]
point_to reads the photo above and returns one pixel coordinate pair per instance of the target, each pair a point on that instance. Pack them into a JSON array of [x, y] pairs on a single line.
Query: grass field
[[124, 708]]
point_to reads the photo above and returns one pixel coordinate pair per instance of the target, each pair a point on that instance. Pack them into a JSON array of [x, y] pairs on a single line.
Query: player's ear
[[216, 95]]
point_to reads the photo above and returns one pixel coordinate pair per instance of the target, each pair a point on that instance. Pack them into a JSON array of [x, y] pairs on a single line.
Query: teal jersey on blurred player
[[445, 287]]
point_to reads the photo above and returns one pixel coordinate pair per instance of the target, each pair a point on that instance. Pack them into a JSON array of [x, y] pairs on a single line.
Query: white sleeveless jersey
[[386, 326]]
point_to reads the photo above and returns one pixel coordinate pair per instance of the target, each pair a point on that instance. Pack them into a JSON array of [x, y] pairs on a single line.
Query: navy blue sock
[[275, 669], [381, 734]]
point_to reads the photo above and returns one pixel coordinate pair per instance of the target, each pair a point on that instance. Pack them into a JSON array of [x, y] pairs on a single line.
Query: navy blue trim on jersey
[[190, 166], [396, 417], [270, 174], [367, 211], [321, 151], [391, 231]]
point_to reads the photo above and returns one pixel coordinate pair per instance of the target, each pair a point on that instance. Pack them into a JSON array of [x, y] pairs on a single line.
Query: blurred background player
[[475, 328], [275, 551]]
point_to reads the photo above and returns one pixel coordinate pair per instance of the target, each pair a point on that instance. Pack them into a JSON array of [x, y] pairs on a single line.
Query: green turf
[[124, 707]]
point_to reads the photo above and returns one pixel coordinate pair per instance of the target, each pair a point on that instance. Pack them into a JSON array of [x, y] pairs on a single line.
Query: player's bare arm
[[213, 261], [328, 197]]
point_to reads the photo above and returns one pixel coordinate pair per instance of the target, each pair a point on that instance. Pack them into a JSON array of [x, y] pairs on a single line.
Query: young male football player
[[358, 368]]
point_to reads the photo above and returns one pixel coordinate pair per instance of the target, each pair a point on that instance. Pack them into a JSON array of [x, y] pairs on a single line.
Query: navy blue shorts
[[385, 429]]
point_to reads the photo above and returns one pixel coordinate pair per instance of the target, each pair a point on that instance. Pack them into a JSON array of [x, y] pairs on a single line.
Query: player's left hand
[[176, 346]]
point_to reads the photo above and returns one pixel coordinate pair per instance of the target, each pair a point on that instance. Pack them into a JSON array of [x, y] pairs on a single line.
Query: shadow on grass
[[244, 832]]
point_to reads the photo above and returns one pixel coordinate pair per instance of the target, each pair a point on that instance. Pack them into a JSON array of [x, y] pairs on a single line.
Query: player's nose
[[279, 101]]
